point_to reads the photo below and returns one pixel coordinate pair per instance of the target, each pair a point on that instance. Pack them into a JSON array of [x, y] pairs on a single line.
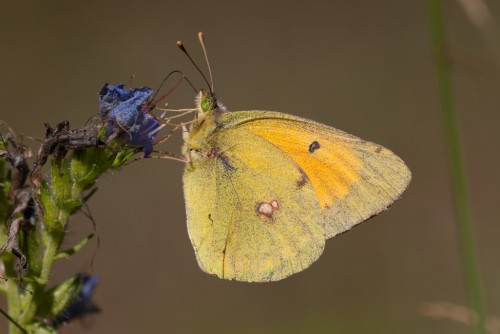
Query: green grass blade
[[467, 247]]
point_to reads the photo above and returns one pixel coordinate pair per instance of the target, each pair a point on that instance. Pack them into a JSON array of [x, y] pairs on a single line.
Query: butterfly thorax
[[198, 139]]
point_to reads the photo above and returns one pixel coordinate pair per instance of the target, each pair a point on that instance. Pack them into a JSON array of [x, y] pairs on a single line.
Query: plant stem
[[53, 241], [467, 247], [14, 306], [12, 321]]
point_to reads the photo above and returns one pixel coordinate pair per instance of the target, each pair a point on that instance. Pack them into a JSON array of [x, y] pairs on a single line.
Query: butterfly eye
[[206, 104]]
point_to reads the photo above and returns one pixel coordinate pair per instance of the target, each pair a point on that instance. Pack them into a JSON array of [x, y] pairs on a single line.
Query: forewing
[[353, 179]]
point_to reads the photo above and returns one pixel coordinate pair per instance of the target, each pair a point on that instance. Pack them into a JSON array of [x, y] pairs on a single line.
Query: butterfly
[[264, 190]]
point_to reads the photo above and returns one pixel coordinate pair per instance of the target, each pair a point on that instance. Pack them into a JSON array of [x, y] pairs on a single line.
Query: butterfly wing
[[353, 179], [273, 187], [250, 214]]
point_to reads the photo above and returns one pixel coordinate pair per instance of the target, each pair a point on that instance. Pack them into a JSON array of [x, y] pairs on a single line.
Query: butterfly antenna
[[132, 77], [190, 83], [183, 49], [153, 103], [202, 42], [184, 77]]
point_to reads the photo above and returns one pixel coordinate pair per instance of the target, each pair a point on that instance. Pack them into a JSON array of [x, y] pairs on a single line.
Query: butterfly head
[[208, 105]]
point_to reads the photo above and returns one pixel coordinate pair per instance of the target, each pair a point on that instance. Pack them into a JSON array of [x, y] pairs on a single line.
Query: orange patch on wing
[[332, 167]]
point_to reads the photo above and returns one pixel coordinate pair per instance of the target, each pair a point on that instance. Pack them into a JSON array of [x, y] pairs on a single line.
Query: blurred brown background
[[362, 66]]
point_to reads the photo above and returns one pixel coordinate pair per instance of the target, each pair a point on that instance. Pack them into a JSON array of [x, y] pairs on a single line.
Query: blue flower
[[126, 114], [83, 305]]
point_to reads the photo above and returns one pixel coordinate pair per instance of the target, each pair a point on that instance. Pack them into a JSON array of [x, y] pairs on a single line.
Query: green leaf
[[57, 299], [40, 328], [50, 213], [67, 253], [5, 208], [61, 182], [86, 166], [122, 158], [33, 252]]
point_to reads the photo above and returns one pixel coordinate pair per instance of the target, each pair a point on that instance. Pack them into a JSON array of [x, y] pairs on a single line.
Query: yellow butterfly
[[264, 189]]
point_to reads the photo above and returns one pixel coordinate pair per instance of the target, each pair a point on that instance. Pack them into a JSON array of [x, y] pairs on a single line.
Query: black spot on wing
[[303, 178], [314, 146]]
